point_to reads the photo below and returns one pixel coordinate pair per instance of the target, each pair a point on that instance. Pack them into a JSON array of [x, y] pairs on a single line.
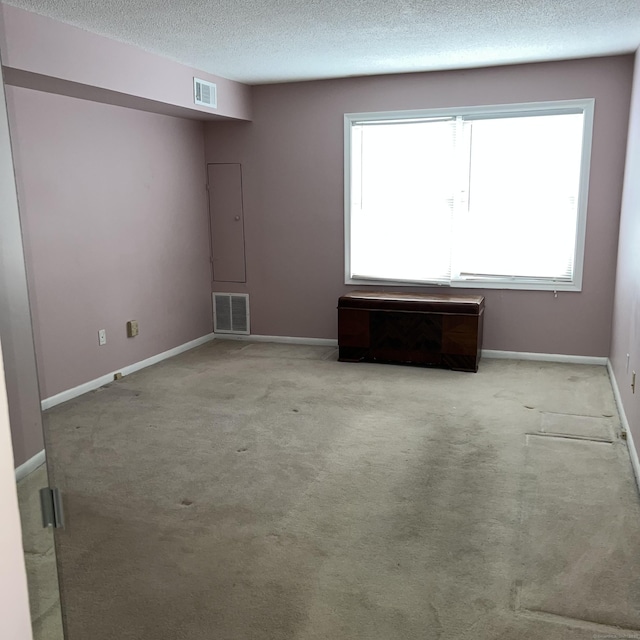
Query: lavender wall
[[626, 318], [114, 210], [52, 56], [292, 157]]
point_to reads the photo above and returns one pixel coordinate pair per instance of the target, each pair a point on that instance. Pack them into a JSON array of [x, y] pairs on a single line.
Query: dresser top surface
[[446, 298]]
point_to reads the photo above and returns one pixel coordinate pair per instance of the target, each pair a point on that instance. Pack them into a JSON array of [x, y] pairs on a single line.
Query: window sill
[[520, 285]]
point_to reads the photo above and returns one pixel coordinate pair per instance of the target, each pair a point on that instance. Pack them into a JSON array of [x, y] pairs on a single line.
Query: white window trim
[[584, 105]]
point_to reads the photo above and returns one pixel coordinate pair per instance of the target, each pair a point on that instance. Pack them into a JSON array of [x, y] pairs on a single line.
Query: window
[[491, 197]]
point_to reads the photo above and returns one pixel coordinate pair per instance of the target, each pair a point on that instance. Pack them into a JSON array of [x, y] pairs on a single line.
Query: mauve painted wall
[[39, 45], [114, 210], [292, 157], [626, 317]]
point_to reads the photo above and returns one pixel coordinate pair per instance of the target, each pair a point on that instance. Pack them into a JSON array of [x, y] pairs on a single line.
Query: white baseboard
[[543, 357], [633, 452], [69, 394], [314, 342], [30, 465], [486, 353]]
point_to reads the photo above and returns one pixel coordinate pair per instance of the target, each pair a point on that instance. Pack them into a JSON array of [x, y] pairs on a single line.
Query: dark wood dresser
[[411, 328]]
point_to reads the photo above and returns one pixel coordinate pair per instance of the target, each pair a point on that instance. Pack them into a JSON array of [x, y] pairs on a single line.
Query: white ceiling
[[265, 41]]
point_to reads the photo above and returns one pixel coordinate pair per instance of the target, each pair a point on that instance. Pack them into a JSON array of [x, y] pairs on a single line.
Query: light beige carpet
[[267, 492]]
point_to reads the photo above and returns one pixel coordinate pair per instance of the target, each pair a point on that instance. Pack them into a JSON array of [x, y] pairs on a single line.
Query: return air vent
[[231, 313], [205, 93]]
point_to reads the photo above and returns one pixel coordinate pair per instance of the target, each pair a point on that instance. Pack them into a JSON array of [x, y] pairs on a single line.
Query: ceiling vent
[[231, 313], [205, 93]]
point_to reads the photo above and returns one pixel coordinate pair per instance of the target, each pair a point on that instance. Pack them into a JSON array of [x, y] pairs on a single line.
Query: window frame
[[586, 106]]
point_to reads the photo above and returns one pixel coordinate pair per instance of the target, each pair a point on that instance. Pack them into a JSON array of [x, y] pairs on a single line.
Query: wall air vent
[[205, 93], [231, 313]]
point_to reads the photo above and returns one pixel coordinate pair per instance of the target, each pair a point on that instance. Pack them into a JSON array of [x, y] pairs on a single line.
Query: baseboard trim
[[92, 385], [30, 465], [633, 452], [543, 357], [313, 342], [486, 353]]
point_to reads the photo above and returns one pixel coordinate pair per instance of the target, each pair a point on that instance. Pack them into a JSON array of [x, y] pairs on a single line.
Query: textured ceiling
[[282, 40]]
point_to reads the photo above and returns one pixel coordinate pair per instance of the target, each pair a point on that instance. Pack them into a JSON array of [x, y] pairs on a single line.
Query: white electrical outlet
[[102, 337]]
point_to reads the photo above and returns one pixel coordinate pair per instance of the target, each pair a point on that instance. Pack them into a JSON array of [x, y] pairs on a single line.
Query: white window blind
[[468, 199]]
